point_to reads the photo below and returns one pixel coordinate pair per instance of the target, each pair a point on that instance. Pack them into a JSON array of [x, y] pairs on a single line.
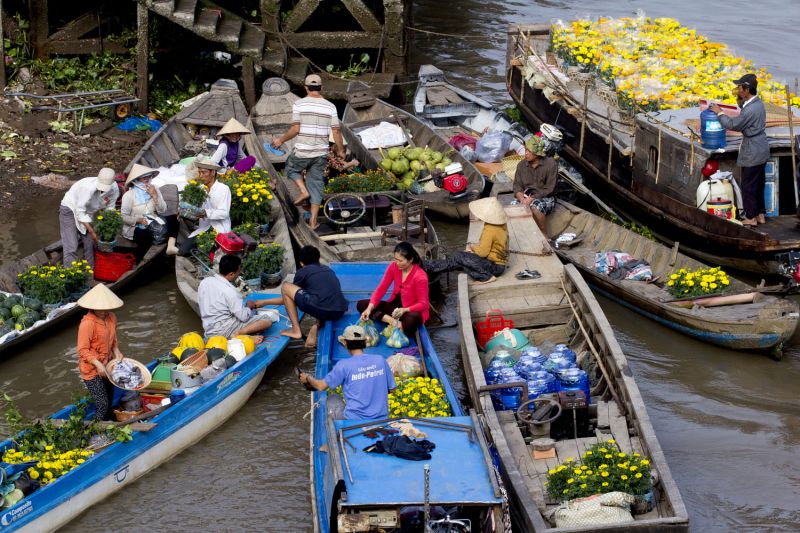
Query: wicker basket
[[510, 164], [146, 376], [122, 416]]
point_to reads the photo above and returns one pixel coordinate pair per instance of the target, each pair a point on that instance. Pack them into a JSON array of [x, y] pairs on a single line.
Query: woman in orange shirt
[[97, 345]]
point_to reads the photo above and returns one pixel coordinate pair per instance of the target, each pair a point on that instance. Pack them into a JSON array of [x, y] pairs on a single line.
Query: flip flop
[[528, 274]]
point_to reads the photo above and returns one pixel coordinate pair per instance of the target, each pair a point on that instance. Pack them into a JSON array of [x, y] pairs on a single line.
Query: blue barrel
[[526, 365], [575, 379], [712, 133], [533, 352]]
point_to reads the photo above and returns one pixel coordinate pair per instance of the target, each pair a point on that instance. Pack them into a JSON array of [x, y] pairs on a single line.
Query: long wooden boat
[[658, 191], [356, 241], [558, 307], [764, 323], [370, 111], [176, 428], [348, 485]]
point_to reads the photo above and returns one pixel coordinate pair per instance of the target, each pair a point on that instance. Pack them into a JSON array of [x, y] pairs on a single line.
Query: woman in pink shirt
[[408, 304]]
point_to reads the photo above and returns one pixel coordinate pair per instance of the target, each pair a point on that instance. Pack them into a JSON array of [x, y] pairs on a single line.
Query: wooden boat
[[763, 323], [355, 240], [349, 486], [659, 192], [155, 442], [366, 111], [558, 307]]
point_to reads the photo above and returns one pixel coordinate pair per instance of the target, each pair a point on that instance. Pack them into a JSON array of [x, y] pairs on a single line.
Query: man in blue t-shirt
[[315, 291], [366, 380]]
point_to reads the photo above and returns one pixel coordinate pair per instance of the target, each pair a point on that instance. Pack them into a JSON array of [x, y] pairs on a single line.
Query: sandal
[[528, 274]]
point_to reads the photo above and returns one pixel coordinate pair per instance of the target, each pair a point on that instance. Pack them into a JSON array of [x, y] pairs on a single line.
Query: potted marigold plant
[[264, 264], [603, 468], [702, 282], [107, 224], [251, 195], [418, 397], [192, 197]]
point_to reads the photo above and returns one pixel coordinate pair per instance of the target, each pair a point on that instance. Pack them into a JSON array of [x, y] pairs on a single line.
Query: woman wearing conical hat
[[486, 260], [141, 204], [229, 154], [97, 345]]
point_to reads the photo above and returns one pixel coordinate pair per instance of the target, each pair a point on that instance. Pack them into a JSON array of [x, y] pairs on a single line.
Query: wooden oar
[[754, 290]]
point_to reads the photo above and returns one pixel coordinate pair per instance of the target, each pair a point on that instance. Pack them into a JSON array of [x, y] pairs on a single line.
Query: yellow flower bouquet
[[418, 397], [658, 63], [703, 282], [603, 468]]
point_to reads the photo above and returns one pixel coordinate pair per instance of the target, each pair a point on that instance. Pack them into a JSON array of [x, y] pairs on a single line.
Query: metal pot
[[182, 379]]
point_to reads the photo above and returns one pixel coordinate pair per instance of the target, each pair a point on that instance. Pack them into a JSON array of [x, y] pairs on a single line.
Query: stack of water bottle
[[544, 374]]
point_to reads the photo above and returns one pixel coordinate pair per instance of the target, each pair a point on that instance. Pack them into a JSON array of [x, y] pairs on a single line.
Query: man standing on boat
[[314, 119], [366, 380], [216, 207], [222, 308], [535, 181], [754, 150], [78, 207]]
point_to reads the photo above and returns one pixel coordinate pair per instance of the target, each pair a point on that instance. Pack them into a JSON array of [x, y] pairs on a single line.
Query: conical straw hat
[[100, 298], [489, 210], [139, 171], [232, 126]]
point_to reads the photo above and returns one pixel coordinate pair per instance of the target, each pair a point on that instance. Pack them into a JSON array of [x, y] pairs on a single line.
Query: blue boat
[[176, 428], [353, 489]]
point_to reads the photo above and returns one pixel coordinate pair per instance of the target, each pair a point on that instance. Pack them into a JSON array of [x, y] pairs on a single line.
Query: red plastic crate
[[494, 322], [110, 266]]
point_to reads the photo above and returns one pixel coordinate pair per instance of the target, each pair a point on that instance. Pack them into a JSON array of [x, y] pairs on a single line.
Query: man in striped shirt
[[314, 120]]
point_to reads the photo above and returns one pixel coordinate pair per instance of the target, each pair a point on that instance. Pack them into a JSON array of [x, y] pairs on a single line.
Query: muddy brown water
[[728, 422]]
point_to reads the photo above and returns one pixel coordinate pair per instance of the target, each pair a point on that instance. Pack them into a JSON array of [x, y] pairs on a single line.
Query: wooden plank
[[602, 415], [350, 236], [76, 28], [619, 427], [522, 456]]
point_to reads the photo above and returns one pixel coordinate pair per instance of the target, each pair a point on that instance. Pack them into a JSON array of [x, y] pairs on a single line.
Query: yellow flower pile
[[251, 194], [50, 464], [418, 397], [605, 468], [687, 283], [657, 63]]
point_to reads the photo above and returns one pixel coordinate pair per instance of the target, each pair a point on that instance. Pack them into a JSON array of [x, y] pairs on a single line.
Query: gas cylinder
[[711, 131]]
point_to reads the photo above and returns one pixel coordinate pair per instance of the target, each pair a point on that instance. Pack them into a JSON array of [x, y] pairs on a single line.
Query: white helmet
[[551, 133]]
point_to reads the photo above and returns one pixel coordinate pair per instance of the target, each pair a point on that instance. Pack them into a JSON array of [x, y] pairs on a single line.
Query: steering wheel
[[524, 414], [344, 217]]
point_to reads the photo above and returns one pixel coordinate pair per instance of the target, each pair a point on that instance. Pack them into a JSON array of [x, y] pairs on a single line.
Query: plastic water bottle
[[533, 352], [540, 383], [511, 397], [526, 365], [558, 362], [575, 379], [712, 133], [504, 356], [564, 350]]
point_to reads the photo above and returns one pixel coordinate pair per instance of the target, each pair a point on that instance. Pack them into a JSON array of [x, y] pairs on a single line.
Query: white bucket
[[236, 349]]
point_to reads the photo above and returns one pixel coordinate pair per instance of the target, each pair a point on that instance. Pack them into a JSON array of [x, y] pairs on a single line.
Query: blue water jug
[[558, 362], [575, 379], [533, 352], [712, 133], [540, 383], [506, 357], [564, 350], [526, 365], [509, 398]]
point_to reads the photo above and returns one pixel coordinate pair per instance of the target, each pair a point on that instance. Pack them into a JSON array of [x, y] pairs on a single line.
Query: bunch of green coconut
[[406, 164]]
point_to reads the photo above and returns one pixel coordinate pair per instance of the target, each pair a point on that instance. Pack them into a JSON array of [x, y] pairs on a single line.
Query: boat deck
[[458, 473]]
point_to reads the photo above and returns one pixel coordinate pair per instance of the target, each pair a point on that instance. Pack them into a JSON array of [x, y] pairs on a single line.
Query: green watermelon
[[215, 353], [230, 361], [33, 304], [5, 312], [17, 311], [11, 301], [27, 319], [2, 297]]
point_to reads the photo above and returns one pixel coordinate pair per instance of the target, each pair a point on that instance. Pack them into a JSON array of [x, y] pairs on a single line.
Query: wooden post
[[394, 40], [249, 82], [2, 51], [610, 143], [793, 142], [584, 115], [142, 56], [40, 28]]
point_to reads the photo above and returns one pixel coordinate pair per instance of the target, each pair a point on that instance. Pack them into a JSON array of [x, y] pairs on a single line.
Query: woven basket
[[510, 164], [122, 416]]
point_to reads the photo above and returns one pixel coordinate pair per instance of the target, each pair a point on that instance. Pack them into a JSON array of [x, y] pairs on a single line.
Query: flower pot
[[189, 212], [271, 279], [643, 503], [253, 284], [106, 246]]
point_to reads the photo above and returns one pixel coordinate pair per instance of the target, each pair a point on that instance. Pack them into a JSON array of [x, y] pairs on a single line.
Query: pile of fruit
[[406, 164], [18, 312], [657, 63]]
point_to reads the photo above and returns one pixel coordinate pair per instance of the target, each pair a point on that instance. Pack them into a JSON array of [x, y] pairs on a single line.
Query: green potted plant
[[107, 224], [192, 197], [265, 263]]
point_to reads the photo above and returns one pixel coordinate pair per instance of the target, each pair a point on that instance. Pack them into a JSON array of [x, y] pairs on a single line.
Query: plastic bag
[[493, 146], [404, 365], [370, 332], [158, 231], [468, 153], [398, 339], [388, 330], [459, 140]]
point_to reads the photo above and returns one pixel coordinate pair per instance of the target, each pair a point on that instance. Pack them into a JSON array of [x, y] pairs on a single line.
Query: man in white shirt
[[222, 307], [314, 120], [217, 207], [78, 207]]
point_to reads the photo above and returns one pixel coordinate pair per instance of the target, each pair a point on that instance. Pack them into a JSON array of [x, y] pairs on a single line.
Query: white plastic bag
[[492, 146], [404, 365]]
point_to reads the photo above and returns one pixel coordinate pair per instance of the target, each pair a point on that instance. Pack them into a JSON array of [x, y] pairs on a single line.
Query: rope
[[452, 35]]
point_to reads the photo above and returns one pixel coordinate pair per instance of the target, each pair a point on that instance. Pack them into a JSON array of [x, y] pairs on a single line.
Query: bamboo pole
[[610, 143], [142, 56], [792, 141], [584, 116], [2, 50]]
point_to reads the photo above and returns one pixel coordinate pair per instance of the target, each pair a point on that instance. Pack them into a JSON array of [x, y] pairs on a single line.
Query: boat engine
[[553, 139], [573, 422], [789, 266], [227, 244], [452, 180]]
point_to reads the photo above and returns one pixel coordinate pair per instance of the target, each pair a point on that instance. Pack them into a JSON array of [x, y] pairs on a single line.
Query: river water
[[728, 422]]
